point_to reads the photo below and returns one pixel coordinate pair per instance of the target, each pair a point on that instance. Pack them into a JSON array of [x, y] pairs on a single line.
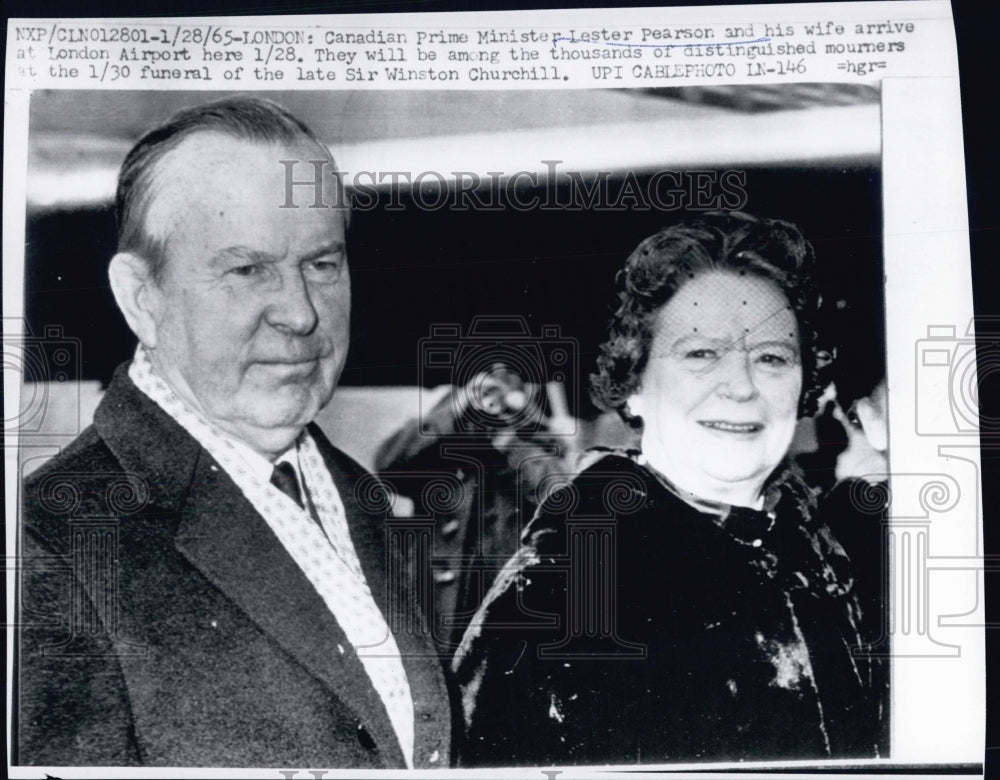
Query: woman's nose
[[736, 378]]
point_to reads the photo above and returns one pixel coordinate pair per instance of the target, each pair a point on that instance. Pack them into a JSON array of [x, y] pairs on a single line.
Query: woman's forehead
[[727, 305]]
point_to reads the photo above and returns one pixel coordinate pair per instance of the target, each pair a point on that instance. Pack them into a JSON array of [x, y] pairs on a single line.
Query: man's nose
[[291, 307], [736, 379]]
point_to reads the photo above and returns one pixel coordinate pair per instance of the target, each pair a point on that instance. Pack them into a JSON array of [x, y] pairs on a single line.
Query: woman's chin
[[723, 483]]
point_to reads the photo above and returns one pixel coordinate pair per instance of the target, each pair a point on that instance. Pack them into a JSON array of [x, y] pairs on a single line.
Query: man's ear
[[137, 295]]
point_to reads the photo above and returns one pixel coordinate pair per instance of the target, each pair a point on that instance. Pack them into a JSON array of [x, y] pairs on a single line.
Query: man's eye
[[244, 270], [324, 270]]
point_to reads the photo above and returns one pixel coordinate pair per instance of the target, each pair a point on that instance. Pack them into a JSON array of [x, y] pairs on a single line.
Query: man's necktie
[[283, 477]]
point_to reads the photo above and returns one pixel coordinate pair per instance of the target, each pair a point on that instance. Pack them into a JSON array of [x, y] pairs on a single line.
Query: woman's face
[[720, 393]]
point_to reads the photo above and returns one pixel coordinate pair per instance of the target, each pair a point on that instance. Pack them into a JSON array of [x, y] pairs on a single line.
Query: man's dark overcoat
[[162, 622]]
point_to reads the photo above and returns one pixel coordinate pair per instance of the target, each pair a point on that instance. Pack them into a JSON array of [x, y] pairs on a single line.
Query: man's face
[[720, 392], [253, 306]]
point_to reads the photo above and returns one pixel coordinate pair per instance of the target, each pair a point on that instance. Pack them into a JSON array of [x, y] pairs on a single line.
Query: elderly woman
[[680, 603]]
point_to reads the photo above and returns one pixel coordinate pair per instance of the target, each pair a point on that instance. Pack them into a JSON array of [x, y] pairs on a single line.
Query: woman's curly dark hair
[[718, 241]]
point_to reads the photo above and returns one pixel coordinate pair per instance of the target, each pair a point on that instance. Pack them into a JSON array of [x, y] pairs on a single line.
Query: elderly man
[[205, 579]]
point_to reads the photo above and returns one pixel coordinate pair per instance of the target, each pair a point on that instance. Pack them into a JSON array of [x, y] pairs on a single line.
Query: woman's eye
[[244, 270], [700, 354], [777, 358]]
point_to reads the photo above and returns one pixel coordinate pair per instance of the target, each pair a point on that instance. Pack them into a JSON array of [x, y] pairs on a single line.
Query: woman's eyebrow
[[692, 340], [782, 342], [699, 338]]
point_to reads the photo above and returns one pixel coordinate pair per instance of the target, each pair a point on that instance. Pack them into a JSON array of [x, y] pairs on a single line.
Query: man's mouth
[[291, 370], [727, 426], [292, 359]]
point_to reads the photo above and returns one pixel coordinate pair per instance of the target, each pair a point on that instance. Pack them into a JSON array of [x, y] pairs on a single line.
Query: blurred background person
[[824, 441], [856, 507], [858, 378], [474, 463], [681, 602]]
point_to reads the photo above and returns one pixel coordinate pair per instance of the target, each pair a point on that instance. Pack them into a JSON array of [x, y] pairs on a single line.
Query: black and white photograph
[[461, 429]]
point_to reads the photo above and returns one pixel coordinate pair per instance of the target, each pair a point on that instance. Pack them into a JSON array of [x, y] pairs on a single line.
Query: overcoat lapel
[[371, 534], [224, 537], [232, 545]]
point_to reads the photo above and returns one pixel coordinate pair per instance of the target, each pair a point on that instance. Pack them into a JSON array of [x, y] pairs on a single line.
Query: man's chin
[[270, 439], [270, 425]]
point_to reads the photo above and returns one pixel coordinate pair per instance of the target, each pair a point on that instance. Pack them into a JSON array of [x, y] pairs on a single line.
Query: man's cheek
[[224, 335], [335, 305]]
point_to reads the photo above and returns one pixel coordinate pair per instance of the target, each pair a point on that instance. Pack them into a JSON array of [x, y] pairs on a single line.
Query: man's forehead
[[211, 174], [203, 153]]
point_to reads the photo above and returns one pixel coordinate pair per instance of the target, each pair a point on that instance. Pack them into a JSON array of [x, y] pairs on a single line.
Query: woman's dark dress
[[634, 627]]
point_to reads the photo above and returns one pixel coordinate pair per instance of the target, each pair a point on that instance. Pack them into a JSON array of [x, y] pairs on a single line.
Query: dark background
[[415, 268]]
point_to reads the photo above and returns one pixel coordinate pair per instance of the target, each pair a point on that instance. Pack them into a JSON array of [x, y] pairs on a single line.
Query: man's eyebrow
[[242, 253], [333, 248], [245, 253]]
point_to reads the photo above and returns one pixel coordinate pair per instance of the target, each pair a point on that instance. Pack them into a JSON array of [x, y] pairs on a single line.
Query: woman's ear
[[634, 406], [136, 294]]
